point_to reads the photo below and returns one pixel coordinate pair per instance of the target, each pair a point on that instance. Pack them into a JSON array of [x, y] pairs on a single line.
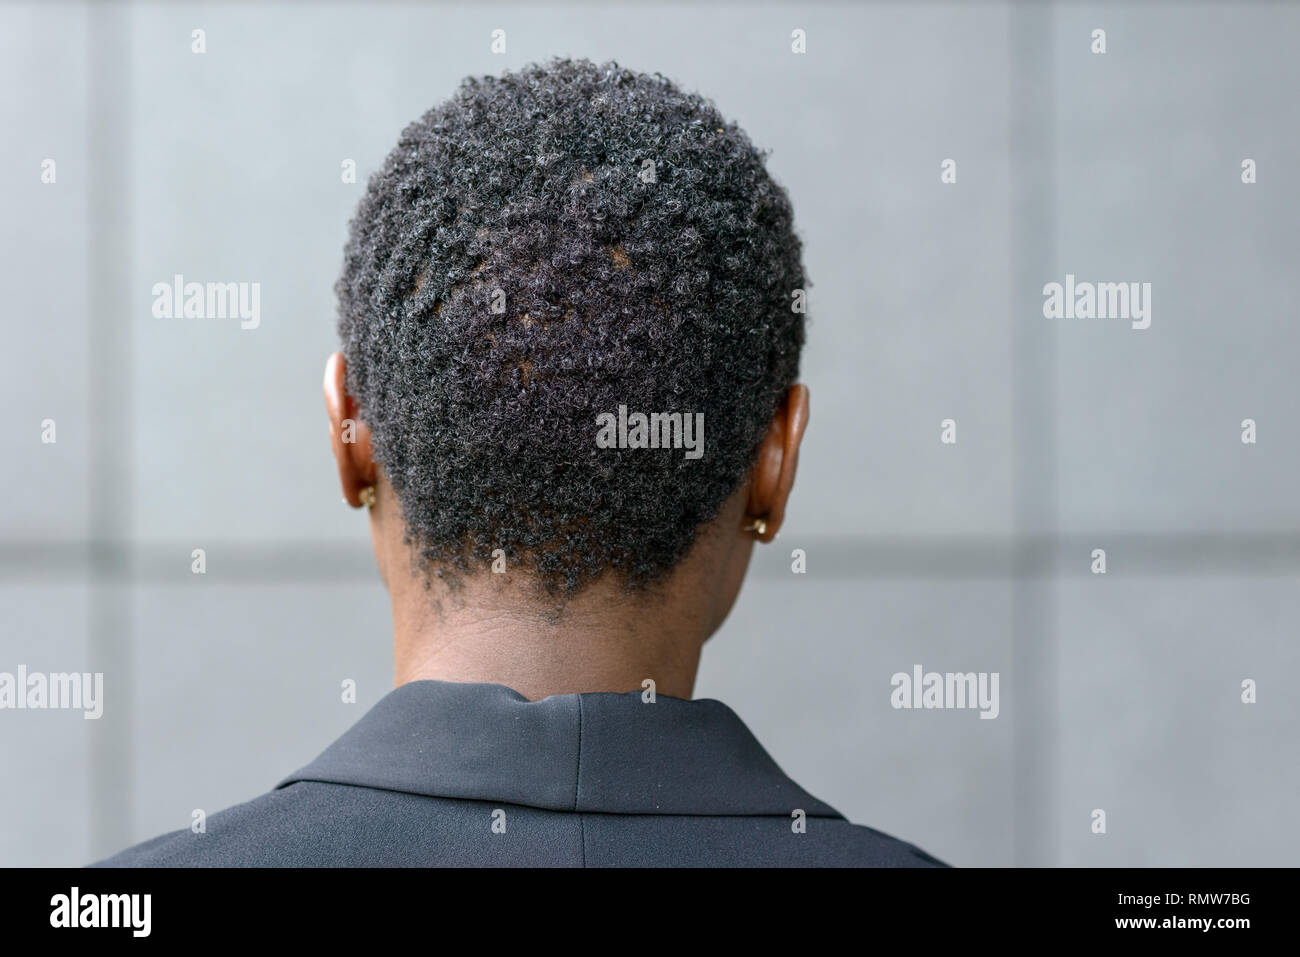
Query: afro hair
[[545, 247]]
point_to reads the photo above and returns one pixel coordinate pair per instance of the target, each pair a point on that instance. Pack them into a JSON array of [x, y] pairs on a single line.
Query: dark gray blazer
[[445, 774]]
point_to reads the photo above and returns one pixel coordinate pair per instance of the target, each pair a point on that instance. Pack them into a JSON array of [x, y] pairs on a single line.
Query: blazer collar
[[601, 752]]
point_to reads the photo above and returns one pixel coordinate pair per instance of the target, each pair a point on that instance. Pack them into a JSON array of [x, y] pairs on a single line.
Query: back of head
[[545, 248]]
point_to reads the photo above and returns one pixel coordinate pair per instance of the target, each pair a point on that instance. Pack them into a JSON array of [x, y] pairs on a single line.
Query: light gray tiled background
[[1118, 692]]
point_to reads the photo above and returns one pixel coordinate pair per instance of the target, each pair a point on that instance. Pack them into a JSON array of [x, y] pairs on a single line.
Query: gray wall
[[1119, 692]]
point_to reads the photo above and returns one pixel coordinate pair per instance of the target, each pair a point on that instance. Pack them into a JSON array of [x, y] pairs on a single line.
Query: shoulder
[[322, 824], [643, 840], [859, 846], [301, 825]]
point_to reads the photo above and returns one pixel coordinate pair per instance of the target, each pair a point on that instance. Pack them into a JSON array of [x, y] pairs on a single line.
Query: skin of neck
[[497, 628]]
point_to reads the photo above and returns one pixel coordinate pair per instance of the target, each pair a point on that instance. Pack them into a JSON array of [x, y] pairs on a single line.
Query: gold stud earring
[[367, 496], [758, 526]]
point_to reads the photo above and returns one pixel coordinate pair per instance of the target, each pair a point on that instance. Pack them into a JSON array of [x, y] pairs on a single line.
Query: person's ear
[[772, 476], [349, 437]]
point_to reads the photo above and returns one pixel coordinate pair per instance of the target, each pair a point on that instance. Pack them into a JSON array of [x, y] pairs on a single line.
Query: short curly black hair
[[547, 246]]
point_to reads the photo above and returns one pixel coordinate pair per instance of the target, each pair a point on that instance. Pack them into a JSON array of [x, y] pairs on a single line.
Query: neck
[[493, 629], [601, 640]]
